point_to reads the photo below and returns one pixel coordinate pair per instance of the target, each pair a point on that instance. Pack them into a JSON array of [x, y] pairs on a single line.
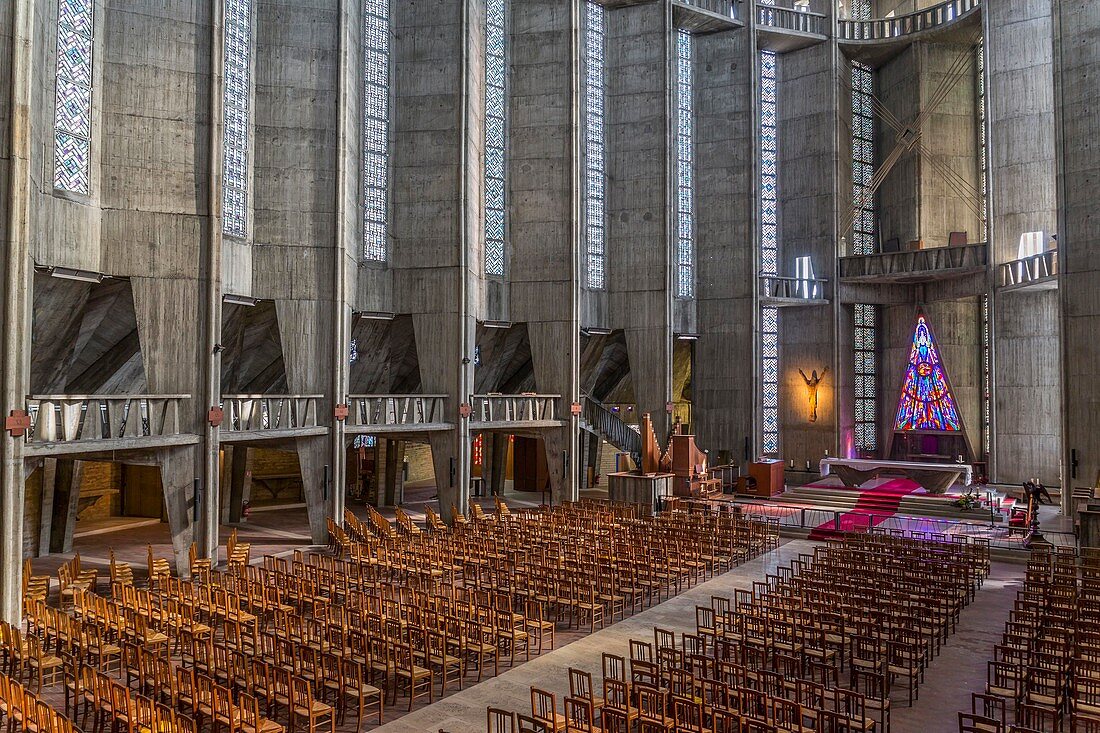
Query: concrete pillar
[[177, 476], [394, 483], [1077, 55], [166, 308], [1027, 394], [723, 382], [240, 479], [809, 200], [639, 203], [439, 72], [66, 502], [544, 205], [305, 335], [15, 268]]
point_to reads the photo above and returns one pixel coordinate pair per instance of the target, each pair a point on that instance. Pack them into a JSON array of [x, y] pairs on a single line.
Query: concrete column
[[393, 486], [723, 382], [809, 200], [1077, 56], [240, 471], [639, 203], [66, 502], [544, 210], [15, 280], [438, 153], [166, 309], [1027, 395], [304, 336]]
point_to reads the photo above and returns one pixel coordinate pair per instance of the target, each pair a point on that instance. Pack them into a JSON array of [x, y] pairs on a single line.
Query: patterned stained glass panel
[[769, 250], [926, 402], [73, 96], [376, 125], [495, 134], [237, 94], [685, 168], [595, 171]]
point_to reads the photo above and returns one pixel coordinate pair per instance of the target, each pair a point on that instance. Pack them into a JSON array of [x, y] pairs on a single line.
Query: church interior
[[526, 366]]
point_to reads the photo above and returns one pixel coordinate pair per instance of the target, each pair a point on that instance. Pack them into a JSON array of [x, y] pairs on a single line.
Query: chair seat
[[316, 708], [364, 691]]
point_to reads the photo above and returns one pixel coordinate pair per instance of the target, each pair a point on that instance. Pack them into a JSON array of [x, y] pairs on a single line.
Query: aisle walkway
[[952, 676]]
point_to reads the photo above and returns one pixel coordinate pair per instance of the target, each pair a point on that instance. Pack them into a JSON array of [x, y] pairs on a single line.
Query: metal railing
[[789, 19], [883, 29], [393, 410], [70, 418], [513, 407], [725, 8], [614, 430], [248, 413], [793, 287], [1029, 269]]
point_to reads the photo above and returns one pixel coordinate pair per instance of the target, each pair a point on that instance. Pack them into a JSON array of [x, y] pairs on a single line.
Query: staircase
[[605, 423], [911, 505]]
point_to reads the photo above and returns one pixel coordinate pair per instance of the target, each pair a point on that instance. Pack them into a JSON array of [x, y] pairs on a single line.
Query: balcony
[[916, 266], [513, 412], [788, 292], [889, 29], [782, 29], [267, 417], [705, 16], [383, 414], [66, 424], [1038, 272]]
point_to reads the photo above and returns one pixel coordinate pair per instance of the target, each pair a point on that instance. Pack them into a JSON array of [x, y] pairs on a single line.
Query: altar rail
[[885, 29], [384, 411], [269, 413], [88, 418], [529, 408], [788, 19]]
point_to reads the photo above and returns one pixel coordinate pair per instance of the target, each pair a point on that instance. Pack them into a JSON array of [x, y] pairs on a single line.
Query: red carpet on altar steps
[[874, 507]]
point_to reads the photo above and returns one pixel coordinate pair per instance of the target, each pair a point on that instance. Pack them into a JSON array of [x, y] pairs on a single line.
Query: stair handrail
[[613, 429]]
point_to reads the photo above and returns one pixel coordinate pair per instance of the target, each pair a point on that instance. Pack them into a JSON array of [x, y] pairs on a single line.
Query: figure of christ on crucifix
[[812, 383]]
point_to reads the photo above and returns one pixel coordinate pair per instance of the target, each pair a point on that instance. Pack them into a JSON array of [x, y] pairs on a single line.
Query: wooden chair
[[536, 624], [250, 720], [579, 717], [419, 680], [45, 669], [544, 710], [304, 707], [354, 687], [499, 721]]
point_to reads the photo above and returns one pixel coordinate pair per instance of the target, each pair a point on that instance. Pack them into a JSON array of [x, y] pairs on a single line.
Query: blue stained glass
[[595, 177], [926, 403], [237, 93], [73, 96]]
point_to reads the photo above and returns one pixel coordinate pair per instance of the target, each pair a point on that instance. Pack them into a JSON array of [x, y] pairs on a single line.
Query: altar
[[937, 478]]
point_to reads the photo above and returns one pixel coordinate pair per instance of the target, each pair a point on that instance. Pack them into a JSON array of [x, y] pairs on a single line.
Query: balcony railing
[[794, 288], [256, 413], [489, 408], [884, 29], [387, 411], [915, 265], [788, 19], [1028, 270], [725, 8], [73, 418]]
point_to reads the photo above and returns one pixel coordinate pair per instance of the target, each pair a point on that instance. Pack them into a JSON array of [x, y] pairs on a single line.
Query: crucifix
[[812, 383]]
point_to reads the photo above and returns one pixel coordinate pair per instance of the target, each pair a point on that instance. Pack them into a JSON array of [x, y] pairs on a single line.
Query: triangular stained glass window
[[926, 403]]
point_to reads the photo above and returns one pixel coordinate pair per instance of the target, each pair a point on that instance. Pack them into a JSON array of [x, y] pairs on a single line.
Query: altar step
[[911, 505]]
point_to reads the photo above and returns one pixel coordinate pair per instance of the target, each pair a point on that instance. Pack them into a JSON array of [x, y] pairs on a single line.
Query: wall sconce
[[812, 383]]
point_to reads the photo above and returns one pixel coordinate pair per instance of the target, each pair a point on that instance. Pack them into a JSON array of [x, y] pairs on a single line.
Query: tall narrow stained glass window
[[376, 127], [595, 143], [863, 242], [926, 403], [769, 249], [983, 142], [73, 97], [685, 168], [987, 378], [495, 133], [237, 58]]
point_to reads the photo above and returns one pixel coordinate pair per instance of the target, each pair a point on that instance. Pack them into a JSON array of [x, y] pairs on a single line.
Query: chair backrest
[[499, 721], [543, 705]]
